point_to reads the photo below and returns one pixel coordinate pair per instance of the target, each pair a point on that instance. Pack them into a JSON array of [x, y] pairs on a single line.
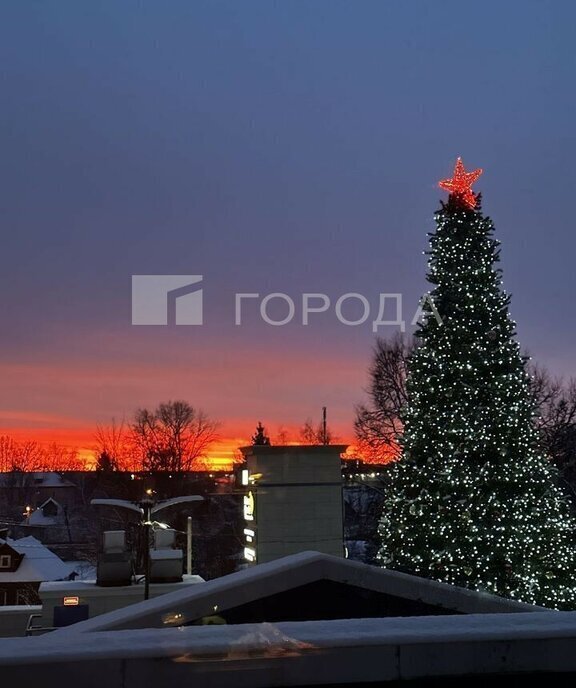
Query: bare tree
[[173, 437], [57, 457], [114, 447], [555, 400], [281, 435], [9, 454], [20, 456], [30, 455], [314, 434], [378, 425]]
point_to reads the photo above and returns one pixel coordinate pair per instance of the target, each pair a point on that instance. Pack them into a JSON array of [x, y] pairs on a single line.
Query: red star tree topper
[[461, 183]]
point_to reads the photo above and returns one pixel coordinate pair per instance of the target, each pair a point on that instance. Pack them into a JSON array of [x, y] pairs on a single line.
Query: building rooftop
[[463, 635], [301, 587], [39, 563], [356, 652]]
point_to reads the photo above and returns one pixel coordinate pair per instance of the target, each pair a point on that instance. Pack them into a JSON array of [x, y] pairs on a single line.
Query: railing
[[31, 629]]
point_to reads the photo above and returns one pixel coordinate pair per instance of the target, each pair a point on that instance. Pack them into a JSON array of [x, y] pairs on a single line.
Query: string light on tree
[[472, 501]]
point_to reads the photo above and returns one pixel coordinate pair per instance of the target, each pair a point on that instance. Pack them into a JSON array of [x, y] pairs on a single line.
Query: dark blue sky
[[270, 146]]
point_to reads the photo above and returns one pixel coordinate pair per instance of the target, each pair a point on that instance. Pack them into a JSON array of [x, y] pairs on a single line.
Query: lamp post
[[146, 505], [189, 545], [146, 508]]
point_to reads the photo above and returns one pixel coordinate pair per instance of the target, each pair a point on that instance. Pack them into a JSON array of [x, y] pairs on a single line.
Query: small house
[[24, 564]]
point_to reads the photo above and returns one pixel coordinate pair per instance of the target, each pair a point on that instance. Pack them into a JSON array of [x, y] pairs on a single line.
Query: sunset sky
[[271, 147]]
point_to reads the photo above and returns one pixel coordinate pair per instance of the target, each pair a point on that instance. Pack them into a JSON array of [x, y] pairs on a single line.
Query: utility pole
[[189, 545]]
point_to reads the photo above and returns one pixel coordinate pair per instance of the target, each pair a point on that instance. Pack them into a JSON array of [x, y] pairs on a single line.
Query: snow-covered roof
[[291, 572], [86, 570], [344, 651], [37, 517], [218, 639], [39, 563], [51, 479], [50, 499], [37, 479]]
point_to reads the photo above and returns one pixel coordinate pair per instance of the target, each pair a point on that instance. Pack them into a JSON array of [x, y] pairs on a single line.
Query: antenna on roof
[[324, 427]]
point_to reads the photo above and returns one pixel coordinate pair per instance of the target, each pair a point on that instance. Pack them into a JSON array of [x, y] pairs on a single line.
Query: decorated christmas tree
[[472, 501]]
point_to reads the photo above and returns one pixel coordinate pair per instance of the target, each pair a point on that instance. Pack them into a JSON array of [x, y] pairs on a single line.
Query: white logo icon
[[166, 300]]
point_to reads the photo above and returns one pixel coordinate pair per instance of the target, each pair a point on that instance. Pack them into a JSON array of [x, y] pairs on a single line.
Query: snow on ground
[[85, 570]]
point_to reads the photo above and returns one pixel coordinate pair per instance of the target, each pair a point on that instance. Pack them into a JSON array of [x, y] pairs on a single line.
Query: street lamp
[[146, 508]]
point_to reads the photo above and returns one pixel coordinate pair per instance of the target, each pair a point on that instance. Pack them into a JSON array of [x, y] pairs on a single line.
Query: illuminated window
[[5, 561], [249, 507]]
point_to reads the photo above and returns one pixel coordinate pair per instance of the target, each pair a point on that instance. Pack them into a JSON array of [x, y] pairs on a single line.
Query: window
[[23, 596], [5, 561]]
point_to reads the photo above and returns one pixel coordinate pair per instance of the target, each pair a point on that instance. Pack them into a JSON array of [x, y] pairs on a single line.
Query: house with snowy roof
[[49, 513], [24, 564], [38, 486], [50, 484]]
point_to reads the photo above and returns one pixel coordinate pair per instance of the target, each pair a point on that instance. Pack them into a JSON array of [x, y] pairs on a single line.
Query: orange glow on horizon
[[62, 401], [222, 455]]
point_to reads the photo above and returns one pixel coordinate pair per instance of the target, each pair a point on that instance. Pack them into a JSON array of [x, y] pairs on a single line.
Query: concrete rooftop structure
[[292, 501], [302, 587], [461, 636]]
